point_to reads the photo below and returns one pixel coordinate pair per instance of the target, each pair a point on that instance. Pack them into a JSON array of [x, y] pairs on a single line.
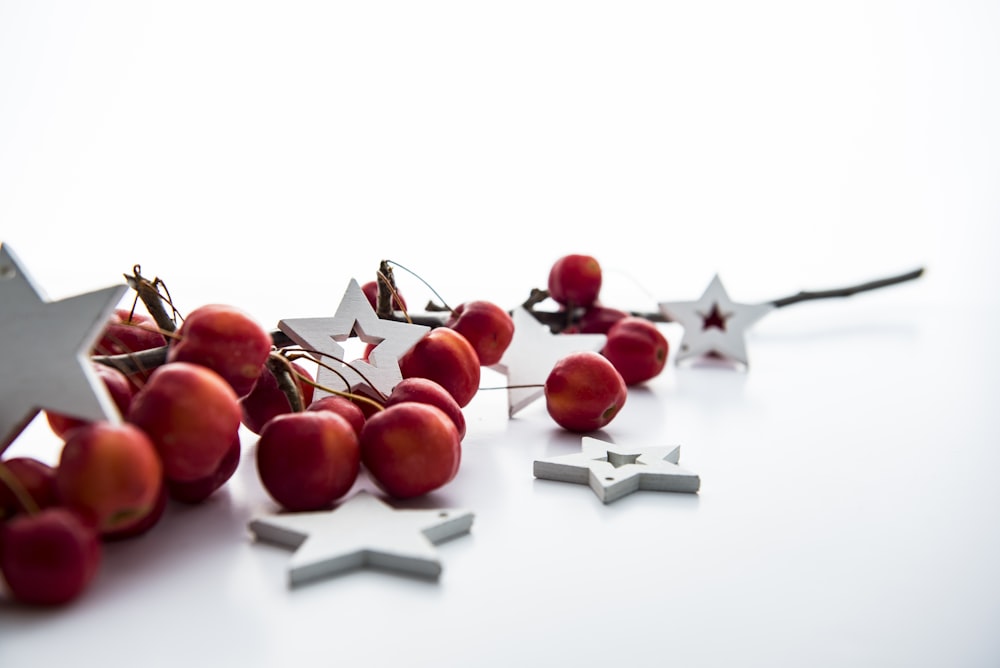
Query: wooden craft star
[[532, 353], [613, 472], [355, 315], [714, 324], [44, 351], [363, 531]]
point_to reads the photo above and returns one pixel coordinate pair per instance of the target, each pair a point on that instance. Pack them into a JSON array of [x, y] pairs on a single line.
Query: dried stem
[[848, 291], [284, 374], [155, 302]]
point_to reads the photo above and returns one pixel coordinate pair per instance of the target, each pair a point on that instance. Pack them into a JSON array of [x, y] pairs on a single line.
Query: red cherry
[[486, 326], [599, 319], [575, 280], [584, 392], [637, 349], [446, 357], [266, 399], [410, 449], [308, 460], [426, 391], [128, 332], [343, 407], [226, 340], [35, 477], [50, 557]]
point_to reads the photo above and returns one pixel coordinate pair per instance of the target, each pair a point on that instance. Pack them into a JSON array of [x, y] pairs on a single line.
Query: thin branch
[[848, 291]]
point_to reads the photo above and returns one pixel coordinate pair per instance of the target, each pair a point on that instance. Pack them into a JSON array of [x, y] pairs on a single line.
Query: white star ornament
[[355, 315], [614, 472], [363, 531], [532, 353], [44, 351], [714, 324]]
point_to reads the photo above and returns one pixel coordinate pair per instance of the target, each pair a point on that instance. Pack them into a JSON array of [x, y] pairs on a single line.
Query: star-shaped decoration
[[532, 353], [614, 472], [355, 315], [44, 351], [715, 324], [363, 531]]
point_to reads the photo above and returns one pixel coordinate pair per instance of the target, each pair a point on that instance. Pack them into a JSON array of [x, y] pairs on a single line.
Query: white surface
[[263, 154]]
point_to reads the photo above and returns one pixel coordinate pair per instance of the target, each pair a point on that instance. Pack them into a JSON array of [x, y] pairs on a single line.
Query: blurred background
[[263, 154]]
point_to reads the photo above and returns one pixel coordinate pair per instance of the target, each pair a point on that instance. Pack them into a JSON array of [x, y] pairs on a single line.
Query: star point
[[363, 531], [714, 325], [355, 316], [45, 351], [613, 472], [532, 353]]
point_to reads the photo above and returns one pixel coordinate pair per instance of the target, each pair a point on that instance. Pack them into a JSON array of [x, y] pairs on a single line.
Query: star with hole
[[45, 351], [532, 353], [363, 531], [714, 325], [355, 316], [613, 472]]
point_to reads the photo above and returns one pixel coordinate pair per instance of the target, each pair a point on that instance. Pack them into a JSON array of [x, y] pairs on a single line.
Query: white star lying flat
[[44, 351], [355, 315], [715, 325], [362, 531], [614, 472], [533, 352]]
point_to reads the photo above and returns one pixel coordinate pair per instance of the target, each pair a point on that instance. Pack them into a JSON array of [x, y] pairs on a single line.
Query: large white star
[[613, 472], [355, 315], [44, 351], [363, 531], [532, 353], [714, 324]]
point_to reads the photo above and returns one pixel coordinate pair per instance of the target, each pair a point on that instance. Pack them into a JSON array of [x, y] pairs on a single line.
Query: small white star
[[614, 472], [355, 315], [45, 351], [532, 353], [363, 531], [714, 324]]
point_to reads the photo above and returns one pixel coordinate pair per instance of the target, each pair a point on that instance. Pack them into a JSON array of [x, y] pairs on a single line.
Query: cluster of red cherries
[[179, 438]]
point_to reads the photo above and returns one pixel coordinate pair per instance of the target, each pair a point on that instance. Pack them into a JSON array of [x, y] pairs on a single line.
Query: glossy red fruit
[[486, 326], [50, 557], [343, 407], [34, 477], [140, 525], [196, 491], [575, 280], [192, 416], [370, 290], [637, 349], [226, 340], [426, 391], [446, 357], [308, 460], [109, 473], [584, 392], [119, 387], [266, 400], [598, 319], [128, 332], [411, 449]]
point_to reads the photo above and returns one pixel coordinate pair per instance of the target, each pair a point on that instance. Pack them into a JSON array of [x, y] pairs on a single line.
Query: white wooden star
[[44, 351], [532, 353], [362, 531], [355, 315], [614, 472], [715, 324]]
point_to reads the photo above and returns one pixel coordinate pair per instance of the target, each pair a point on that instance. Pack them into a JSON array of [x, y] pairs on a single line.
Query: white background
[[262, 154]]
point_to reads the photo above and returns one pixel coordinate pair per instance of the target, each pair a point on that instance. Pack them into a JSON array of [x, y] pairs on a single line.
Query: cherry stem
[[419, 278], [22, 495], [848, 291], [387, 293], [155, 302], [347, 395], [284, 374], [345, 363]]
